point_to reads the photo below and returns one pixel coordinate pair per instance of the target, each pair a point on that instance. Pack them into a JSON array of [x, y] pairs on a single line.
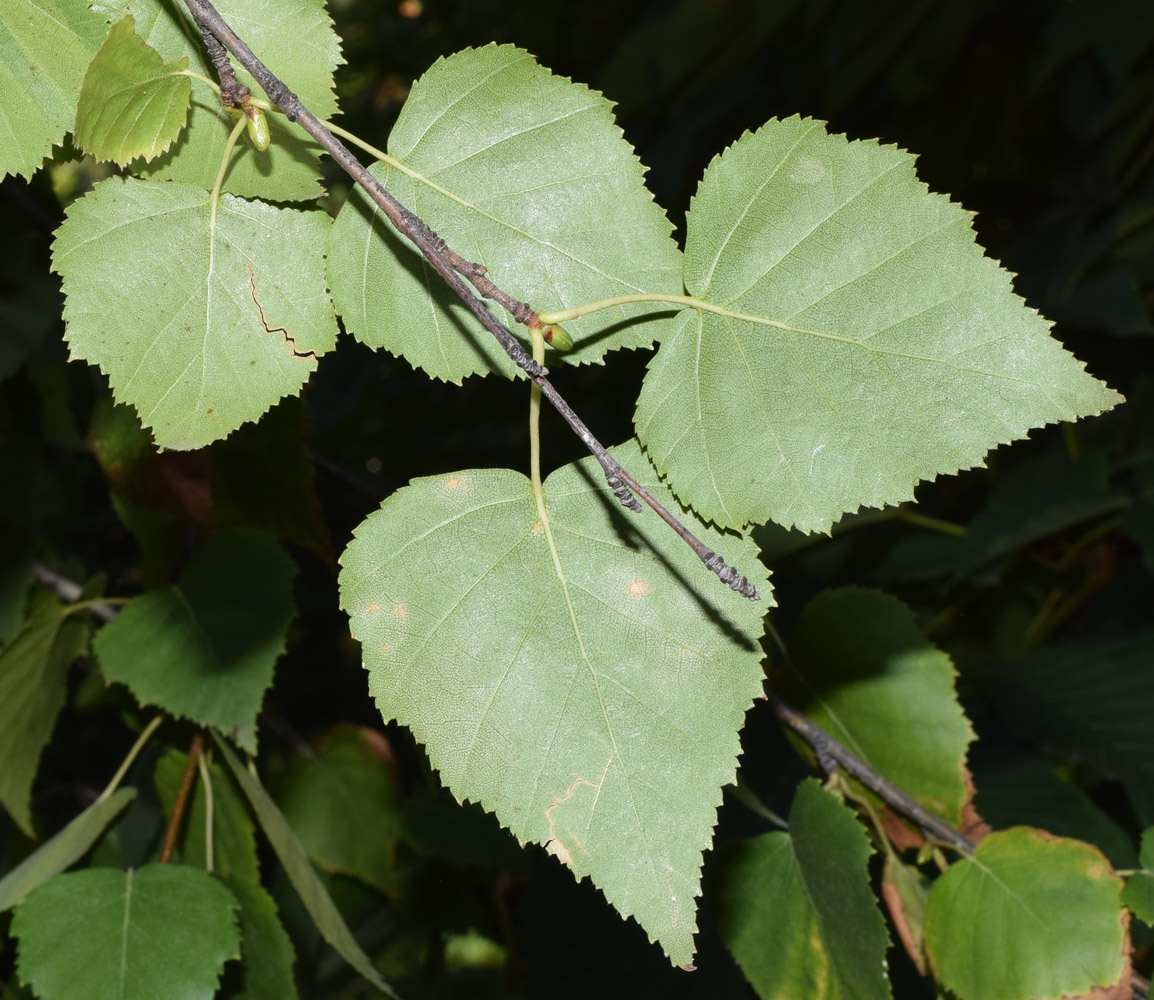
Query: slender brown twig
[[831, 754], [181, 803], [451, 266]]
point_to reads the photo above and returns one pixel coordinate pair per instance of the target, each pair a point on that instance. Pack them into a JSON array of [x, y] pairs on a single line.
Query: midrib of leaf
[[1021, 903], [818, 916], [539, 495], [543, 513], [124, 930]]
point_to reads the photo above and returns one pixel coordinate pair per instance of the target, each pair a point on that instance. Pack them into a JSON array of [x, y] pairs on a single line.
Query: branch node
[[728, 575], [622, 492]]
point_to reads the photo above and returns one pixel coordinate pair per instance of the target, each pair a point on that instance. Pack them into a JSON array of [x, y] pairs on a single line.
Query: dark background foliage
[[1037, 115]]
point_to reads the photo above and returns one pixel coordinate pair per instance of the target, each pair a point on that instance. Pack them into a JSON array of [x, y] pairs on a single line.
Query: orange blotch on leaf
[[638, 588]]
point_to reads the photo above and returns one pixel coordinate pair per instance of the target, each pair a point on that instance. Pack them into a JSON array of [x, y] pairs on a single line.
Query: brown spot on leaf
[[452, 483], [638, 588], [288, 338], [537, 528], [373, 607], [972, 825], [559, 851], [399, 611]]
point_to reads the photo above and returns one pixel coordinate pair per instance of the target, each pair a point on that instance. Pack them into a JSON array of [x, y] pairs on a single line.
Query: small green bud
[[557, 337], [258, 130]]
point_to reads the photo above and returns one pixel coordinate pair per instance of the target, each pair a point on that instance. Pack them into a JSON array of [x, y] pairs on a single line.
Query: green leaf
[[45, 46], [1090, 700], [796, 908], [1138, 896], [906, 890], [304, 878], [584, 684], [204, 648], [862, 670], [854, 339], [33, 667], [1029, 917], [63, 849], [296, 41], [159, 931], [233, 838], [526, 173], [132, 103], [200, 324], [267, 952], [349, 778], [262, 475]]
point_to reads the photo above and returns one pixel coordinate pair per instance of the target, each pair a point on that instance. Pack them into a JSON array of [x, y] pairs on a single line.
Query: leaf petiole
[[214, 198], [121, 771], [206, 783], [685, 302]]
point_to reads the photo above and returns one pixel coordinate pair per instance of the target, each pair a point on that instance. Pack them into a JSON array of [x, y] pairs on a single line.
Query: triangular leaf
[[278, 33], [132, 102], [585, 684], [526, 173], [65, 847], [304, 878], [1029, 917], [101, 932], [348, 777], [864, 671], [796, 908], [854, 338], [45, 46], [200, 323], [204, 648], [33, 667]]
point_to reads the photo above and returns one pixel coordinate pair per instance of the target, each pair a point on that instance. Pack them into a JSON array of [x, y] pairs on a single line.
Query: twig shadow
[[442, 295], [615, 328], [631, 538]]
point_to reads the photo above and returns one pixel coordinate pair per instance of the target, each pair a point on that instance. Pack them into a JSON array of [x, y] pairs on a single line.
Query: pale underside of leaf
[[201, 328], [855, 339], [589, 697], [45, 46], [525, 173]]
